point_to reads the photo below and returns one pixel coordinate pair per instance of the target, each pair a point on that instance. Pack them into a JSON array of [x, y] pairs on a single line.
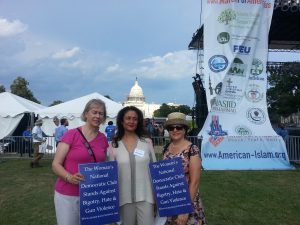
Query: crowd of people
[[128, 143]]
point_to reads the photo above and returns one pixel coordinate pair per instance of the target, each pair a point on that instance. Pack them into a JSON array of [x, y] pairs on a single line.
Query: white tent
[[72, 111], [13, 108]]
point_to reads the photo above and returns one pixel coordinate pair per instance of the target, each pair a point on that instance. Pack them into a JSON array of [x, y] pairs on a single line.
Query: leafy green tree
[[284, 94], [56, 102], [19, 87], [184, 109], [226, 16], [2, 88], [165, 109]]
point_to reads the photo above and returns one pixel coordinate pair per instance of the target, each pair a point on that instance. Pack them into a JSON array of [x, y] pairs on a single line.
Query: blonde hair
[[89, 105]]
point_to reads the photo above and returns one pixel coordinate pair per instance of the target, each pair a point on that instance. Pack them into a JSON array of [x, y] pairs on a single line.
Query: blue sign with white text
[[99, 193], [170, 187]]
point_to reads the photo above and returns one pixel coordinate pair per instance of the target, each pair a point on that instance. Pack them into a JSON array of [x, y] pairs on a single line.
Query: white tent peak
[[74, 108], [72, 111], [13, 105]]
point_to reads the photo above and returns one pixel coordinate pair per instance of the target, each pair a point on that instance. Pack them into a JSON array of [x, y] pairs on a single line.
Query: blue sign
[[99, 193], [170, 187]]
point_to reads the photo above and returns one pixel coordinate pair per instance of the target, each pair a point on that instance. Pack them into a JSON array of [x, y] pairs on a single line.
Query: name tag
[[139, 152]]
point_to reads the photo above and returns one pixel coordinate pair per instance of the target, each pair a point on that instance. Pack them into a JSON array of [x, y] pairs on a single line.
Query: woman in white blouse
[[133, 152]]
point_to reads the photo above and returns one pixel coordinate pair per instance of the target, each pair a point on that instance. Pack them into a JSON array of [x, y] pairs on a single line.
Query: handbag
[[44, 146]]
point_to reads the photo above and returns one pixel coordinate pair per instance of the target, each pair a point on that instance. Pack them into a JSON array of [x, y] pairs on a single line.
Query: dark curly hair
[[140, 130]]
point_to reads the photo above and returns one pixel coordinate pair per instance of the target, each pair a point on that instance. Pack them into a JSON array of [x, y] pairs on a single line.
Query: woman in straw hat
[[179, 146]]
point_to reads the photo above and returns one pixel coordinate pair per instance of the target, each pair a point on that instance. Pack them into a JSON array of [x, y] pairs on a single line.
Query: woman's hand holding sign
[[182, 219], [75, 178]]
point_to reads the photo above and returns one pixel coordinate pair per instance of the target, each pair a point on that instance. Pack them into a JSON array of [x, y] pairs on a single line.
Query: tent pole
[[31, 119]]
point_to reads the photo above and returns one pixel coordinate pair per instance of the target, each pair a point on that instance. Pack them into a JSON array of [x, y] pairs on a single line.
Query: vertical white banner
[[237, 133]]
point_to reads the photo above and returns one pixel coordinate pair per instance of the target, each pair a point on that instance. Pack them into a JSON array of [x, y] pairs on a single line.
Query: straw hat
[[176, 118], [38, 122]]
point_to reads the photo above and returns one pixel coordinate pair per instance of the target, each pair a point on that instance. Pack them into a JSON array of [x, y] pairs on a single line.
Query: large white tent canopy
[[12, 110], [72, 111]]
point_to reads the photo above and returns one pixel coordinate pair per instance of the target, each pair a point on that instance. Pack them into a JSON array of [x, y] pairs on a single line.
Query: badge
[[139, 152]]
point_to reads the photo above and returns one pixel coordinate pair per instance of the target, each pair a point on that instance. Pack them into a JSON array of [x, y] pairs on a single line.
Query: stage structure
[[200, 111], [237, 133]]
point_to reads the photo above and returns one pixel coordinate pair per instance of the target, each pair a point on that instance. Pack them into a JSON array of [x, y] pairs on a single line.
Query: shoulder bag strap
[[87, 145]]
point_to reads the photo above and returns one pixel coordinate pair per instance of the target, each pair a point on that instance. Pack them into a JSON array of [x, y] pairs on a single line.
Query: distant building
[[136, 98]]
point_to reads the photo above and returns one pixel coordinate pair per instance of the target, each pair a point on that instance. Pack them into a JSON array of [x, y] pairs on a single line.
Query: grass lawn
[[230, 197]]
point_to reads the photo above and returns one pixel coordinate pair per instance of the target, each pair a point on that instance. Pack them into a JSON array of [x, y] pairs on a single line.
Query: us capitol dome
[[136, 98]]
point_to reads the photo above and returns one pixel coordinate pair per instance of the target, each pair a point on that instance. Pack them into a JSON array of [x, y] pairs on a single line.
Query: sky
[[68, 49]]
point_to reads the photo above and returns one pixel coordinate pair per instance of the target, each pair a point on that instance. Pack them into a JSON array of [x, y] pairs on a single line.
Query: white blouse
[[133, 172]]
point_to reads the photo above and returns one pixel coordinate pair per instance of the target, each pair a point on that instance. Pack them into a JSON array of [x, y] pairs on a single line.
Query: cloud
[[113, 69], [66, 54], [11, 28], [72, 65], [10, 47], [173, 65], [88, 63], [82, 67]]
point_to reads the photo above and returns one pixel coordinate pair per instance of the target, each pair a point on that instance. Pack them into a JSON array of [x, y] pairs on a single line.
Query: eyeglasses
[[172, 128]]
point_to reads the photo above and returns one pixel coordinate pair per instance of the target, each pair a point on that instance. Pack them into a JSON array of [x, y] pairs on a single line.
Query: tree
[[2, 88], [226, 16], [56, 102], [19, 87], [184, 109], [165, 109], [284, 94]]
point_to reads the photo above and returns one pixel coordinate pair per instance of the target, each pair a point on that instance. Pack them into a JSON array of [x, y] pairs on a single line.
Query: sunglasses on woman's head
[[171, 128]]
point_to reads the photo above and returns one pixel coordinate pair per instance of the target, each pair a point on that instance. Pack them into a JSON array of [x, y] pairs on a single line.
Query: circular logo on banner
[[223, 38], [253, 93], [237, 68], [256, 116], [257, 67], [243, 130], [218, 63]]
